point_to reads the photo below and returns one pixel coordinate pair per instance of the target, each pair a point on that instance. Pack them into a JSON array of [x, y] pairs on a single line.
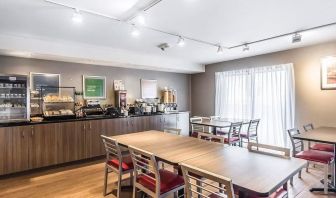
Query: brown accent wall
[[312, 103], [71, 75]]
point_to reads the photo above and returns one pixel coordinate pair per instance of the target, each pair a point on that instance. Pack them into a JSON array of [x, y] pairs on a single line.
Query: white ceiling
[[35, 28]]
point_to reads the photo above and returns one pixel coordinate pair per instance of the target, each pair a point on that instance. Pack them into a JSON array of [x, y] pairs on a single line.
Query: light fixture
[[135, 31], [180, 41], [296, 38], [220, 49], [246, 48], [141, 19], [77, 16]]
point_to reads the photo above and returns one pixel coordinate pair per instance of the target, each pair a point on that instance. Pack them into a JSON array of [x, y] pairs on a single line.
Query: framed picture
[[148, 89], [94, 87], [38, 80], [328, 73]]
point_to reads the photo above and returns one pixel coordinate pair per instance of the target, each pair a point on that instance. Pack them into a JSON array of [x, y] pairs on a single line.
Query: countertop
[[26, 123]]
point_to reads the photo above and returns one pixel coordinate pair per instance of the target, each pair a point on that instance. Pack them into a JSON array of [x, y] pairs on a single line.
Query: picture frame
[[38, 80], [149, 88], [328, 73], [94, 87]]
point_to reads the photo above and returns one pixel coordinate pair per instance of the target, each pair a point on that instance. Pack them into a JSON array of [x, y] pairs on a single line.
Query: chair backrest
[[296, 144], [215, 117], [172, 131], [308, 127], [211, 137], [208, 187], [253, 127], [269, 150], [112, 149], [145, 165], [196, 127], [235, 129]]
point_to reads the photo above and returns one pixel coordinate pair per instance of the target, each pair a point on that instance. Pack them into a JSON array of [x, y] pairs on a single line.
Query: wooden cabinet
[[169, 121], [94, 146], [43, 145]]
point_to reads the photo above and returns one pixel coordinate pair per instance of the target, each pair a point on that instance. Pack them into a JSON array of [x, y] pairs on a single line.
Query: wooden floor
[[86, 180]]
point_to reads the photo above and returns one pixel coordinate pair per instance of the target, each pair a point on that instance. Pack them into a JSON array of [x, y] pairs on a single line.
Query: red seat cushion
[[221, 132], [194, 134], [315, 156], [169, 181], [126, 164], [244, 134], [232, 139], [323, 147]]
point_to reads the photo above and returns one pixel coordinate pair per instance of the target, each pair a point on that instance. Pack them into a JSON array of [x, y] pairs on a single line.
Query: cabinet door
[[157, 122], [140, 124], [169, 121], [20, 148], [6, 150], [94, 146], [113, 127], [183, 123], [72, 141], [43, 148]]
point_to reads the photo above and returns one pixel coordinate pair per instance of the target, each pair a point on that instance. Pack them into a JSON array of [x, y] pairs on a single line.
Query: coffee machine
[[121, 98]]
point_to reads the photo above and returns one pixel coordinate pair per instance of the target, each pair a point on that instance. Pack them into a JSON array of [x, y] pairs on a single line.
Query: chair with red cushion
[[213, 186], [320, 157], [151, 180], [251, 133], [233, 137], [116, 162], [318, 146]]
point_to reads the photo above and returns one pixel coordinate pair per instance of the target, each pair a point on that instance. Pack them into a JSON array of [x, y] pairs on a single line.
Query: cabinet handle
[[90, 125], [22, 134], [84, 127], [32, 131]]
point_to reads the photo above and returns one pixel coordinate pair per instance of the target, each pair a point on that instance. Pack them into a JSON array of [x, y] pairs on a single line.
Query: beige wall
[[312, 103], [71, 75]]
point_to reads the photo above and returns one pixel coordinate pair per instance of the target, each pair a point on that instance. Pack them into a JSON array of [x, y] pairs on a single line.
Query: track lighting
[[220, 49], [77, 16], [135, 32], [246, 48], [296, 38], [180, 41]]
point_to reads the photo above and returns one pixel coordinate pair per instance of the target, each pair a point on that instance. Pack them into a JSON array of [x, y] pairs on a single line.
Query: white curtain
[[267, 93]]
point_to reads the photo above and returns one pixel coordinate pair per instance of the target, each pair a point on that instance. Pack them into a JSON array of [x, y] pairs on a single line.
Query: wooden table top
[[321, 134], [222, 123], [249, 171], [168, 147]]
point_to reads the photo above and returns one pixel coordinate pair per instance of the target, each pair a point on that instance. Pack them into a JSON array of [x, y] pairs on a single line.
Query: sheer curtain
[[267, 93]]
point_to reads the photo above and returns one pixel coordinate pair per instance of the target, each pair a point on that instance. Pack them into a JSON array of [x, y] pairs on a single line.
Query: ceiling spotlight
[[220, 49], [77, 16], [246, 48], [141, 19], [180, 41], [135, 31], [296, 38]]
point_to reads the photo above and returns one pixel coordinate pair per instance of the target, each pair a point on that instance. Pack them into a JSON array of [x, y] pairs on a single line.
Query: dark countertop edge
[[28, 123]]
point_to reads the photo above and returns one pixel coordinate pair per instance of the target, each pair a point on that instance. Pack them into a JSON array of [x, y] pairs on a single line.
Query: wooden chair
[[195, 128], [318, 146], [251, 133], [116, 162], [212, 186], [172, 131], [222, 131], [324, 158], [273, 151], [211, 137], [233, 137], [151, 180]]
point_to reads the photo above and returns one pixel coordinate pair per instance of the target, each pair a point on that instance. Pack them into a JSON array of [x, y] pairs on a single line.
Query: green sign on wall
[[94, 87]]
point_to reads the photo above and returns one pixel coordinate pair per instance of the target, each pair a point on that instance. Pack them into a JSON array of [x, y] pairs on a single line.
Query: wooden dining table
[[219, 123], [251, 173], [322, 135]]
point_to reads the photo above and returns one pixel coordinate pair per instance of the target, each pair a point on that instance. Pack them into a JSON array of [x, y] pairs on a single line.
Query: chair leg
[[332, 172], [105, 181], [307, 167], [134, 192], [119, 184], [291, 181], [131, 178], [300, 174], [326, 172]]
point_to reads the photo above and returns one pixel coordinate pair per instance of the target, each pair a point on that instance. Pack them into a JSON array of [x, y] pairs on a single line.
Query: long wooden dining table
[[251, 173]]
